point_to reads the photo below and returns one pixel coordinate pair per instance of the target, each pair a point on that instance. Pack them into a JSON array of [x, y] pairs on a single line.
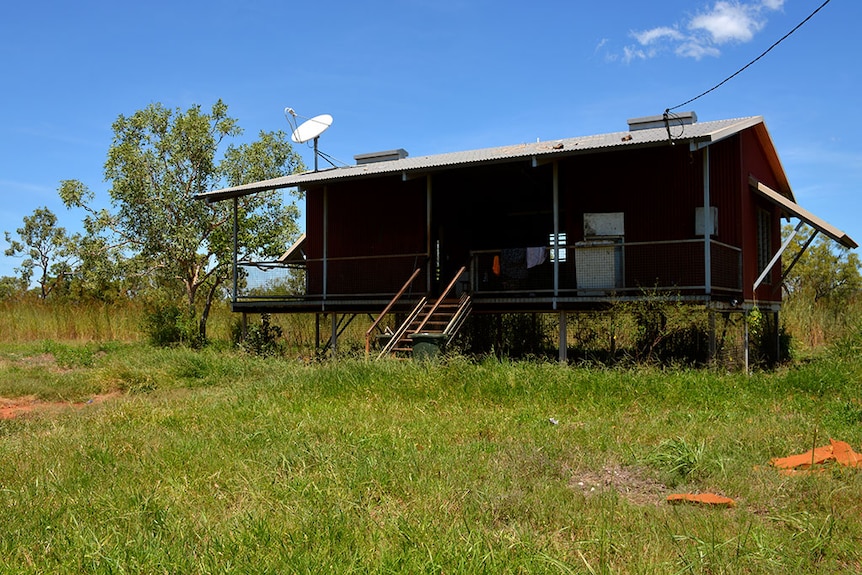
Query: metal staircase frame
[[375, 325], [450, 330]]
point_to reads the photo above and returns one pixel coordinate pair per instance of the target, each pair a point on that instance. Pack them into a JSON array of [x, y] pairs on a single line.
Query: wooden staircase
[[445, 316]]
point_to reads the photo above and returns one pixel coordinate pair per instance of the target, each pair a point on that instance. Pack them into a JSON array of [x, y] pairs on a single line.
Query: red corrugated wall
[[369, 222], [754, 162], [658, 190]]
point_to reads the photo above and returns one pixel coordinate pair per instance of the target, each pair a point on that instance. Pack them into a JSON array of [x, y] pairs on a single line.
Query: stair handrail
[[443, 295], [399, 333], [385, 311], [465, 304]]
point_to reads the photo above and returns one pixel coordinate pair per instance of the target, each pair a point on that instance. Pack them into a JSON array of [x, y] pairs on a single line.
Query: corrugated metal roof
[[698, 134]]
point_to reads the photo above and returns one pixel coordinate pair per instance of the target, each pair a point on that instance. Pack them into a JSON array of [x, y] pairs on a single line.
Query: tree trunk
[[205, 313]]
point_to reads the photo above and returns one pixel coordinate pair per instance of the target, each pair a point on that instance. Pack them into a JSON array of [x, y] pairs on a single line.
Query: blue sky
[[430, 76]]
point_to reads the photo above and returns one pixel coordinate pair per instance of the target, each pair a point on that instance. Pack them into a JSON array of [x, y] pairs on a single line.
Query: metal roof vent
[[386, 156], [648, 122]]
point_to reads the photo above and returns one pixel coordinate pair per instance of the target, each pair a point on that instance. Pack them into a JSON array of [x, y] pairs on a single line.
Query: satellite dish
[[311, 128]]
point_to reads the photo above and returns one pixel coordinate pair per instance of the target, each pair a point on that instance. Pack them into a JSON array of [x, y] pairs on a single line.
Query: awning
[[296, 253], [798, 211]]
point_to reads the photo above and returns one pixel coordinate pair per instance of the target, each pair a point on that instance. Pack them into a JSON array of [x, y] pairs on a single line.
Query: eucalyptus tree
[[825, 272], [49, 252], [159, 159]]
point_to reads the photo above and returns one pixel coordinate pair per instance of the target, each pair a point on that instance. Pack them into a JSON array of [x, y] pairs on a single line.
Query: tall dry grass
[[28, 320], [35, 320], [814, 325]]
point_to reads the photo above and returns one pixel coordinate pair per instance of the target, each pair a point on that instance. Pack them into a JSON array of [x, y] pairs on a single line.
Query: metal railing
[[320, 278], [591, 268], [395, 300], [584, 269], [442, 297], [402, 329], [451, 328], [465, 306]]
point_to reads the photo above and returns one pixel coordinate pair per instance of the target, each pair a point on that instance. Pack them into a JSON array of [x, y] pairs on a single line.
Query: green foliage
[[816, 325], [171, 324], [666, 329], [763, 334], [159, 238], [823, 290], [12, 287], [848, 346], [825, 271], [514, 335], [48, 251], [263, 339], [71, 356]]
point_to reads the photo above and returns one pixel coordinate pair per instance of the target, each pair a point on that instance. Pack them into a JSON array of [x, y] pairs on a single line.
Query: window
[[561, 246], [764, 242]]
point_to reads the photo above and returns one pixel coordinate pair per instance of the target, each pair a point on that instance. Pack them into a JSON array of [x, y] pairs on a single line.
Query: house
[[670, 206]]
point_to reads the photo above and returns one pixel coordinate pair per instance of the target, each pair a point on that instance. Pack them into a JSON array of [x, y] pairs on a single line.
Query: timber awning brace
[[805, 217]]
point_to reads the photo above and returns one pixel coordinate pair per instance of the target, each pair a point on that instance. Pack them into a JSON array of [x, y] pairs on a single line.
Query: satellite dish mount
[[310, 129]]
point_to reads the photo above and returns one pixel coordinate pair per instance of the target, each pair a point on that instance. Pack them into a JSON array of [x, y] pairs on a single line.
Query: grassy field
[[122, 458]]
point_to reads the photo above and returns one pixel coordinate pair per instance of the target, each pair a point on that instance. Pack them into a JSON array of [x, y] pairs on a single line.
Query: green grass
[[216, 462]]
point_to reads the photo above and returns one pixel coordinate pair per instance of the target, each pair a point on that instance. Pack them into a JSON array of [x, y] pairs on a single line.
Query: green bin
[[427, 345], [383, 340]]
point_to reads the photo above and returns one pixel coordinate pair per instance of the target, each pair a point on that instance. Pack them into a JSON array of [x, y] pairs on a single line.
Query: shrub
[[263, 339], [515, 335], [169, 324]]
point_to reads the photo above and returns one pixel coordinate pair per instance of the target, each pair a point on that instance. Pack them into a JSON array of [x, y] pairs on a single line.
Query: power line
[[764, 53]]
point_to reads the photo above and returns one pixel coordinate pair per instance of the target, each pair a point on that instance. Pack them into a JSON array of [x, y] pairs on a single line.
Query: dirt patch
[[45, 361], [633, 484], [20, 406], [11, 408]]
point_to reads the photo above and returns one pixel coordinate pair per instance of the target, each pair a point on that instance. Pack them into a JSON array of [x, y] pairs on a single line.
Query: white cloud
[[656, 34], [632, 53], [696, 50], [728, 22], [773, 4], [701, 35]]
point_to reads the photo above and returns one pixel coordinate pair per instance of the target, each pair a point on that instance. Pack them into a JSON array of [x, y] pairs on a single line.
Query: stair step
[[432, 323]]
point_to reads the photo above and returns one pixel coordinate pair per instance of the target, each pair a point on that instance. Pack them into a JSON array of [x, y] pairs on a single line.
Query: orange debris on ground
[[838, 451], [13, 408], [701, 498]]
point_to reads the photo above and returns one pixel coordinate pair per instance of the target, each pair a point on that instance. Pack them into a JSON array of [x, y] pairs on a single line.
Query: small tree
[[822, 290], [158, 161], [48, 250], [11, 287], [825, 271]]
